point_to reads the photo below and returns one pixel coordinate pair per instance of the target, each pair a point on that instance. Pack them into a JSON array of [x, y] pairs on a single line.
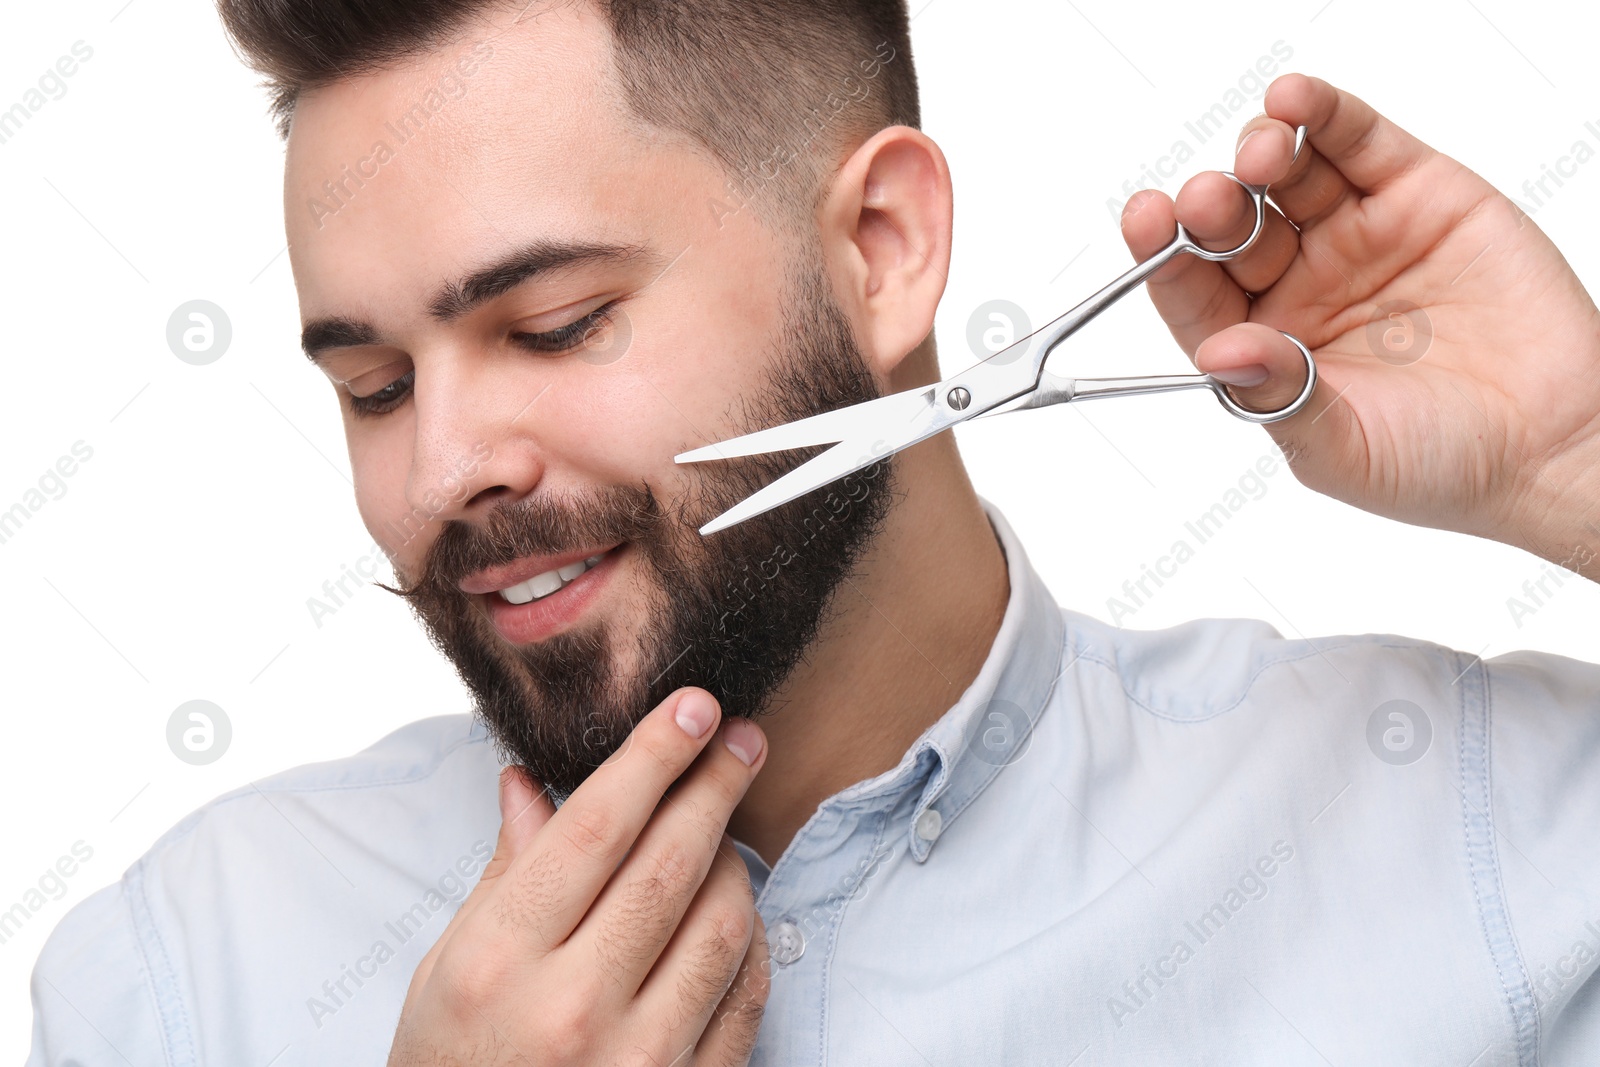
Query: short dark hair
[[758, 84]]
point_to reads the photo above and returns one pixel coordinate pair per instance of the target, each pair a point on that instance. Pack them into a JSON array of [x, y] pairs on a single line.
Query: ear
[[885, 229]]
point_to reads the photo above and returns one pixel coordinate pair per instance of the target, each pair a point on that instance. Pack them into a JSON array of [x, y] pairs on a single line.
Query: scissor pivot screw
[[958, 398]]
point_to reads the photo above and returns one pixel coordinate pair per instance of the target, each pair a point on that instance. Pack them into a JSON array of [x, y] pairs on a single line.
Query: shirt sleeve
[[93, 1004]]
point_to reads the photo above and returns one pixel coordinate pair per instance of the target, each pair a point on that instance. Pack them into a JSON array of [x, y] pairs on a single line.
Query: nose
[[472, 449]]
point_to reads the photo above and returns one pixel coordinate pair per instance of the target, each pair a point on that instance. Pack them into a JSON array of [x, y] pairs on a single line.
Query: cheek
[[686, 390], [378, 464], [624, 429]]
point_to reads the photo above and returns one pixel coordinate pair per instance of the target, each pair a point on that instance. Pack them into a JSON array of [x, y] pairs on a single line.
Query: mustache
[[606, 515], [536, 526]]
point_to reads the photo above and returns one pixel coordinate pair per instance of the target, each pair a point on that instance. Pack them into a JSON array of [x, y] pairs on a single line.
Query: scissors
[[1012, 379]]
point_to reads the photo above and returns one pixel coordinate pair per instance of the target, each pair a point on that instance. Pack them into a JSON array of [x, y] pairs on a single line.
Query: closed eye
[[563, 339], [569, 336], [386, 399]]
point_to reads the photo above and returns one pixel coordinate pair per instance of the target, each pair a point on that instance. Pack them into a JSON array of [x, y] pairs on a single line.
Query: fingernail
[[696, 713], [744, 740], [1246, 140], [1248, 375]]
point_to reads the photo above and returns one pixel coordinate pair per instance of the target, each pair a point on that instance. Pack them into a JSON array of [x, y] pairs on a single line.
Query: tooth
[[544, 584], [592, 560], [518, 594], [572, 570]]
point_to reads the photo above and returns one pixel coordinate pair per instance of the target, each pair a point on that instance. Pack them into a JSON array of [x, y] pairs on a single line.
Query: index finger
[[549, 888], [1368, 149]]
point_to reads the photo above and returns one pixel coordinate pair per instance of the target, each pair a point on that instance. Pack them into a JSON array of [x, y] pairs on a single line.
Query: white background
[[179, 561]]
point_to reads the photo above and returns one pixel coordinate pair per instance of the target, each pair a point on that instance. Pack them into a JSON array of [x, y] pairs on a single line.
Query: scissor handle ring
[[1291, 408], [1258, 196]]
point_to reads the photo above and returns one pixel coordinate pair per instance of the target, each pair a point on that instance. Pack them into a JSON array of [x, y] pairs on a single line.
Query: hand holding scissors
[[1009, 380]]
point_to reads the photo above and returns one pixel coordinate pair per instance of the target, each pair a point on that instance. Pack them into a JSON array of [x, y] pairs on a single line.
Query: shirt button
[[785, 943], [929, 823]]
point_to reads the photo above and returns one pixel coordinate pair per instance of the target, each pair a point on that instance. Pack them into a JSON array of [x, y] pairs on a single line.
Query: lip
[[526, 624], [518, 571]]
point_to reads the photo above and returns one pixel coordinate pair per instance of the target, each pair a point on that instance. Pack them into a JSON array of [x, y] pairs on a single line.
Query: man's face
[[515, 412]]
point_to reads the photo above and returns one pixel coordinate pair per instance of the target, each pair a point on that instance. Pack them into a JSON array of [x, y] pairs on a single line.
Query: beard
[[733, 613]]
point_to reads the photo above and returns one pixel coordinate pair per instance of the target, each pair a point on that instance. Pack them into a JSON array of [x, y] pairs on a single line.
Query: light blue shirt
[[1204, 844]]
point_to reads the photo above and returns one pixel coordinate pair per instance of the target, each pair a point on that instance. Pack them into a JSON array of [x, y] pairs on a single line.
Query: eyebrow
[[456, 298]]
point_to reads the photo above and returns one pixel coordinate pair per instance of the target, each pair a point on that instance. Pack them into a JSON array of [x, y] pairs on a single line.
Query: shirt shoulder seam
[[171, 1012], [1262, 668], [1476, 758]]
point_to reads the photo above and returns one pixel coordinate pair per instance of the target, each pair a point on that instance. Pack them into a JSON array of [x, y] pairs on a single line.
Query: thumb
[[1261, 367], [524, 809]]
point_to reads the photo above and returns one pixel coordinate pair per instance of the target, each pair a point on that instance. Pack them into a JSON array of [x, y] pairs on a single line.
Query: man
[[541, 249]]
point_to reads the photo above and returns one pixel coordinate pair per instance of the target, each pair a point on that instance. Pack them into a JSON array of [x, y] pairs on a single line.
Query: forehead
[[514, 130]]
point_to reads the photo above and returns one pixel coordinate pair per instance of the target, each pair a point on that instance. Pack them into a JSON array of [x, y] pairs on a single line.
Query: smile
[[542, 585], [551, 601]]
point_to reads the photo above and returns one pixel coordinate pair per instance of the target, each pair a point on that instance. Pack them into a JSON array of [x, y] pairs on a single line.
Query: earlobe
[[886, 224]]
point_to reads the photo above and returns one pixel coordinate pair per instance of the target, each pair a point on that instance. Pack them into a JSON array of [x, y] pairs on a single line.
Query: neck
[[910, 629]]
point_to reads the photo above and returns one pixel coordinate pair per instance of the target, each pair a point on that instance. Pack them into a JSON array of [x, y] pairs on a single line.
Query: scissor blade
[[864, 433], [886, 415], [842, 459]]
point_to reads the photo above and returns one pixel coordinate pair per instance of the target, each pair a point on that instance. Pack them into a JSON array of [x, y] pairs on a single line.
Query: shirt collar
[[991, 725]]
